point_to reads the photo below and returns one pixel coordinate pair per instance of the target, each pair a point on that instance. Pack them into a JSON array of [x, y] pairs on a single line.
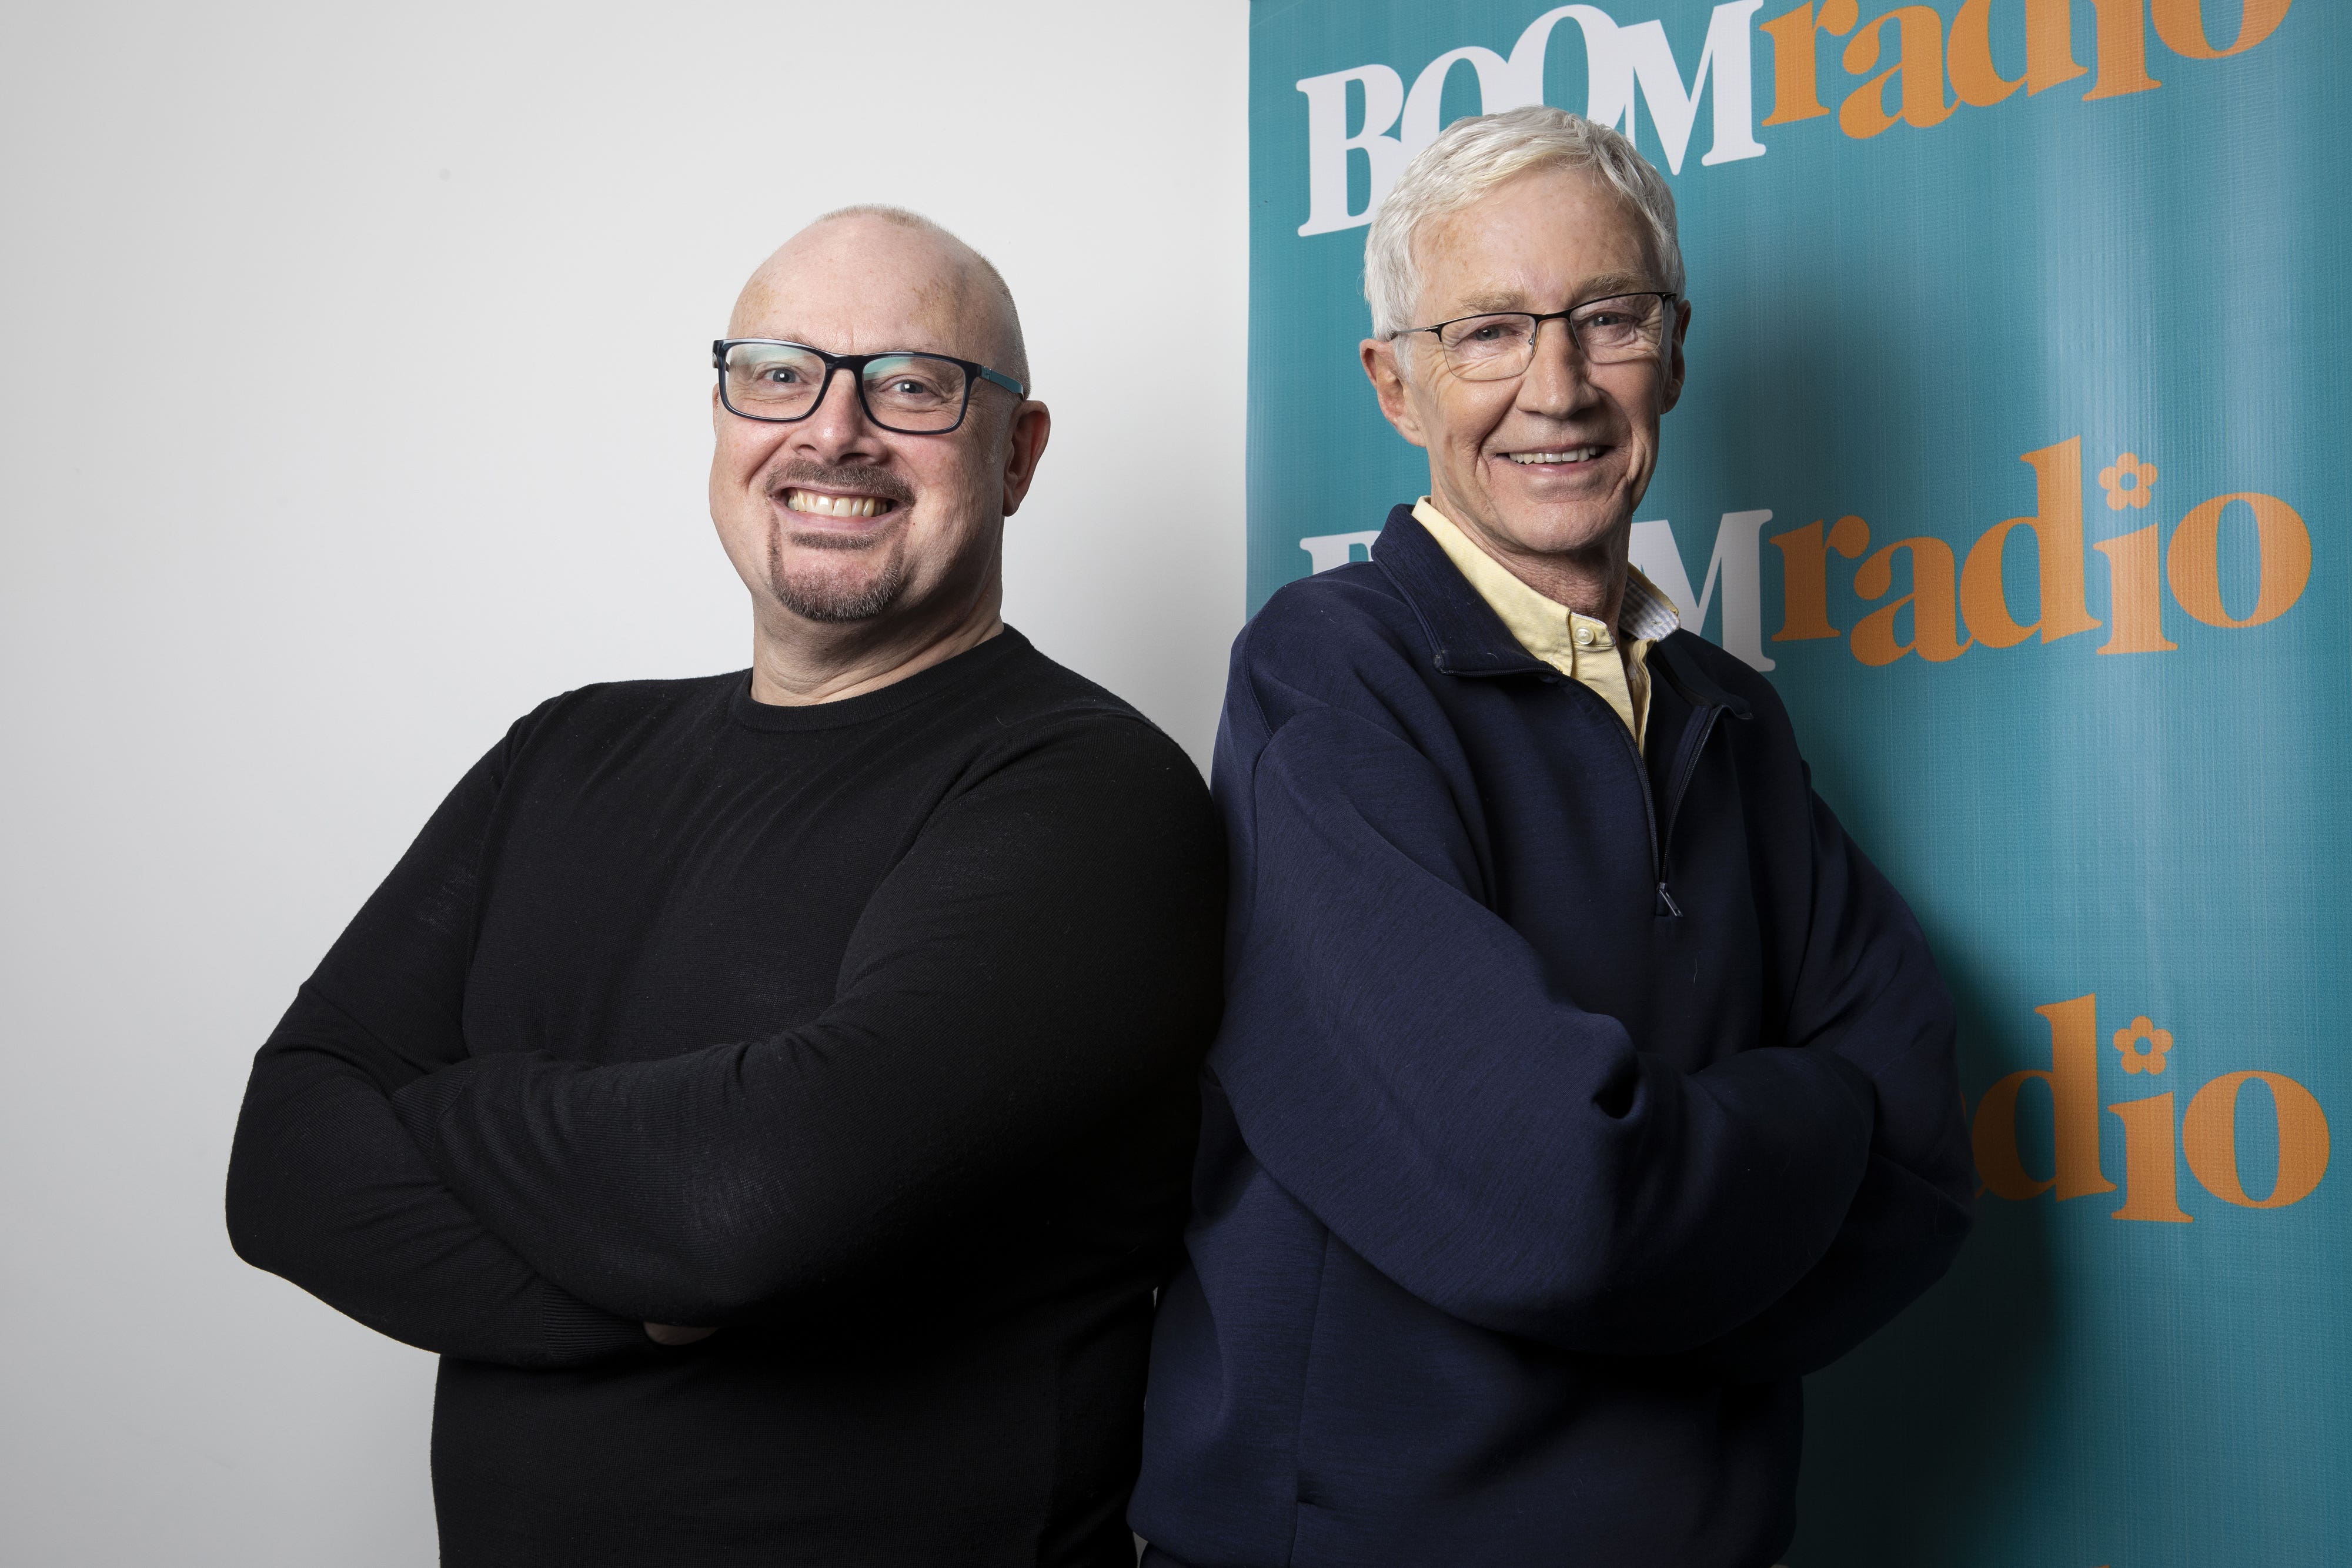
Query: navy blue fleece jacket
[[1569, 1105]]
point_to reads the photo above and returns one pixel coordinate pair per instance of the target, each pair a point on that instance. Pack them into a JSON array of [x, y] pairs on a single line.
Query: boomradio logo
[[1910, 65], [2156, 1133], [1959, 603]]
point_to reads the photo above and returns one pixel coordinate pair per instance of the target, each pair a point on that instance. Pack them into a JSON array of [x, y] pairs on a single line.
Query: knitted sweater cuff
[[576, 1331]]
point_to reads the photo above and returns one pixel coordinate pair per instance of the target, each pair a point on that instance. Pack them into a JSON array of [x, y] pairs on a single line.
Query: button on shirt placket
[[1582, 647]]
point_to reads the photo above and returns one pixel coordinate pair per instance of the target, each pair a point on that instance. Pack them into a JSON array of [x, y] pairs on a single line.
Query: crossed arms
[[1007, 987], [1531, 1167]]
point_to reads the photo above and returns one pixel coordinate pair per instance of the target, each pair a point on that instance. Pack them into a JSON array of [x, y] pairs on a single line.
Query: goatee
[[835, 597]]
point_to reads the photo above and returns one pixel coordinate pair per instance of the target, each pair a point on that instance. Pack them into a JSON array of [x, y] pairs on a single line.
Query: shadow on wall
[[1906, 1439]]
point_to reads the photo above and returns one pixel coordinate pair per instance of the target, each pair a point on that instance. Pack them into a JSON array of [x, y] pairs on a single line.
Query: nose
[[839, 431], [1558, 382]]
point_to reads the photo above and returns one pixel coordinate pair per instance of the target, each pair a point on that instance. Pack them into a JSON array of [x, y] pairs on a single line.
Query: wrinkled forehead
[[1539, 242], [859, 287]]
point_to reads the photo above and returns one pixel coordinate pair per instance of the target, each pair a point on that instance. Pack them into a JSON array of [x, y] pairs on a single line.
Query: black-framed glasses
[[913, 394], [1502, 344]]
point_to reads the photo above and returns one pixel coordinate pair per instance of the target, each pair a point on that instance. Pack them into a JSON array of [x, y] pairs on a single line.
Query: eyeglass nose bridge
[[1579, 355], [857, 374]]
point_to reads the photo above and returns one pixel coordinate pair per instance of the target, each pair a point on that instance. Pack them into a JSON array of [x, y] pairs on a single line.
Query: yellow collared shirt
[[1577, 646]]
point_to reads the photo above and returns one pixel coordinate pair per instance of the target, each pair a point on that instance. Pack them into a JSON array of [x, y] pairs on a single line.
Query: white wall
[[289, 543]]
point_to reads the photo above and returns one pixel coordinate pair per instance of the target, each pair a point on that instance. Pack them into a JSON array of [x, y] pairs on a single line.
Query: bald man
[[772, 1094]]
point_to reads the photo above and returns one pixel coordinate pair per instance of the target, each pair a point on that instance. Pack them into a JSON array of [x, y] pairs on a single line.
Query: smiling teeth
[[835, 506], [1573, 454]]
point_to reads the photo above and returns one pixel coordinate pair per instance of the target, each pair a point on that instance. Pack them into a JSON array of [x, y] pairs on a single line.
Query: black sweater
[[867, 1031]]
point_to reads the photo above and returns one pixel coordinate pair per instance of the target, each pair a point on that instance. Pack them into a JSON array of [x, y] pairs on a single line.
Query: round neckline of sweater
[[898, 696]]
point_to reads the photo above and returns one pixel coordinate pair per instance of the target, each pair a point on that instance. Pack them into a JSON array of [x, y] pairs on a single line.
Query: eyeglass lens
[[1608, 331], [918, 393]]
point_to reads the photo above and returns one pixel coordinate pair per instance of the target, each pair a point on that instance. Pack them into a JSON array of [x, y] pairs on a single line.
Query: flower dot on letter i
[[2127, 482], [2140, 1058]]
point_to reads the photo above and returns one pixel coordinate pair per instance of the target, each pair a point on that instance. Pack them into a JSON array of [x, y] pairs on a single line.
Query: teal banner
[[2018, 355]]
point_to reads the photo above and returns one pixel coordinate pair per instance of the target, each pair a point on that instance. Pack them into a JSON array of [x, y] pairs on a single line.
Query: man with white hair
[[1580, 1085], [772, 1092]]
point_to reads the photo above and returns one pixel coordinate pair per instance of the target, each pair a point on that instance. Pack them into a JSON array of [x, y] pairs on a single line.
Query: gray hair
[[1474, 155]]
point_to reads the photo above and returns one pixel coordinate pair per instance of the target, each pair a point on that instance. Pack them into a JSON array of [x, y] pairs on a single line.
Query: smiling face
[[834, 522], [1550, 464]]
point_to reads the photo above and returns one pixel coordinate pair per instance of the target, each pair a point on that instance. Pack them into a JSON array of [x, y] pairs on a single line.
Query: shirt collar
[[1550, 632], [1647, 613]]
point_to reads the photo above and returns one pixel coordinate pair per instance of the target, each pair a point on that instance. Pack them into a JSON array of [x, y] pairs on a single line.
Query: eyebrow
[[1601, 287]]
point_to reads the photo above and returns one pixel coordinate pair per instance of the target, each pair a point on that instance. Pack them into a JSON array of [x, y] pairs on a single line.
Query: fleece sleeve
[[1868, 992], [1044, 952], [1398, 1064], [326, 1188]]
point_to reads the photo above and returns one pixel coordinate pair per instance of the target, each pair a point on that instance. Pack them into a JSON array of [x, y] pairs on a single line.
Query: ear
[[1674, 388], [1025, 444], [1387, 376]]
